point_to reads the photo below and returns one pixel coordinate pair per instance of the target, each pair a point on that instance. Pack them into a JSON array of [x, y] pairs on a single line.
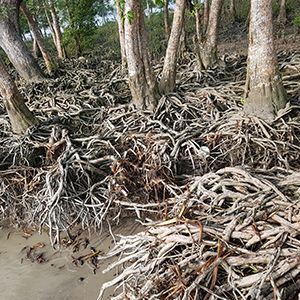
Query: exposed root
[[225, 187]]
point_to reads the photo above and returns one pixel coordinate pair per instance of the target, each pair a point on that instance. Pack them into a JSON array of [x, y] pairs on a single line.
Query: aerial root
[[235, 227], [222, 189]]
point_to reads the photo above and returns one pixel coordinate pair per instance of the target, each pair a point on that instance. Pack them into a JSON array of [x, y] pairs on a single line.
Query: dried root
[[223, 188]]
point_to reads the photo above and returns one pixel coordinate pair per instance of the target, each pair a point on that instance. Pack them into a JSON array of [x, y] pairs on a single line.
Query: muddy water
[[58, 278]]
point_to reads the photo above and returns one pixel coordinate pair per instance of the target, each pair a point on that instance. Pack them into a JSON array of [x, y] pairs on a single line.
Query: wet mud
[[57, 277]]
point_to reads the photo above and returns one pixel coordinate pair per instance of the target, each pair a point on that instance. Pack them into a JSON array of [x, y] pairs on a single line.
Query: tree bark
[[182, 40], [121, 34], [36, 50], [148, 9], [248, 18], [208, 48], [282, 12], [264, 91], [199, 33], [168, 79], [12, 8], [166, 19], [20, 116], [13, 45], [51, 27], [56, 27], [142, 82], [232, 11], [38, 37], [205, 14]]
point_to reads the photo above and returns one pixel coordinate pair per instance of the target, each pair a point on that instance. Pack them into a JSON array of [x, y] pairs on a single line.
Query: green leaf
[[159, 3], [130, 15], [121, 4]]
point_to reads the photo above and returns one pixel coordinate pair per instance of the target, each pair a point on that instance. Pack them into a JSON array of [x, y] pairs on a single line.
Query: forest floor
[[217, 191]]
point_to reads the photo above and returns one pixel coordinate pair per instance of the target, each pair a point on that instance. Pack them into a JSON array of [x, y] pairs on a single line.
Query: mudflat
[[57, 277]]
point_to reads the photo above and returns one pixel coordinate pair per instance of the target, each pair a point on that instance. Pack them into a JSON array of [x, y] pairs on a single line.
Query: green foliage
[[296, 21], [151, 4], [156, 29], [23, 24], [130, 16], [77, 36], [77, 40], [121, 4], [4, 11], [196, 6], [159, 3], [292, 5], [276, 8], [242, 10], [108, 36]]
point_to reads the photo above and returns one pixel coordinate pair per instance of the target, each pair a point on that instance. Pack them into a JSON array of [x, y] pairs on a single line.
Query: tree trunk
[[142, 82], [182, 40], [56, 27], [208, 48], [121, 34], [38, 37], [264, 91], [20, 116], [199, 26], [51, 27], [205, 14], [11, 9], [232, 11], [148, 9], [282, 12], [35, 50], [166, 19], [15, 48], [168, 79], [199, 33]]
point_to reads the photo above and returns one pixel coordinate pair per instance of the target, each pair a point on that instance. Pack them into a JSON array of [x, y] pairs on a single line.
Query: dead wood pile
[[218, 191]]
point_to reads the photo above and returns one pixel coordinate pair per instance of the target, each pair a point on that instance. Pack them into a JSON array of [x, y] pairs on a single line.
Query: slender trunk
[[199, 26], [69, 14], [121, 34], [148, 9], [199, 33], [168, 79], [35, 50], [77, 45], [208, 48], [182, 41], [38, 37], [142, 81], [232, 11], [51, 28], [205, 15], [282, 12], [103, 18], [248, 19], [20, 116], [57, 30], [166, 19], [264, 91], [76, 34]]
